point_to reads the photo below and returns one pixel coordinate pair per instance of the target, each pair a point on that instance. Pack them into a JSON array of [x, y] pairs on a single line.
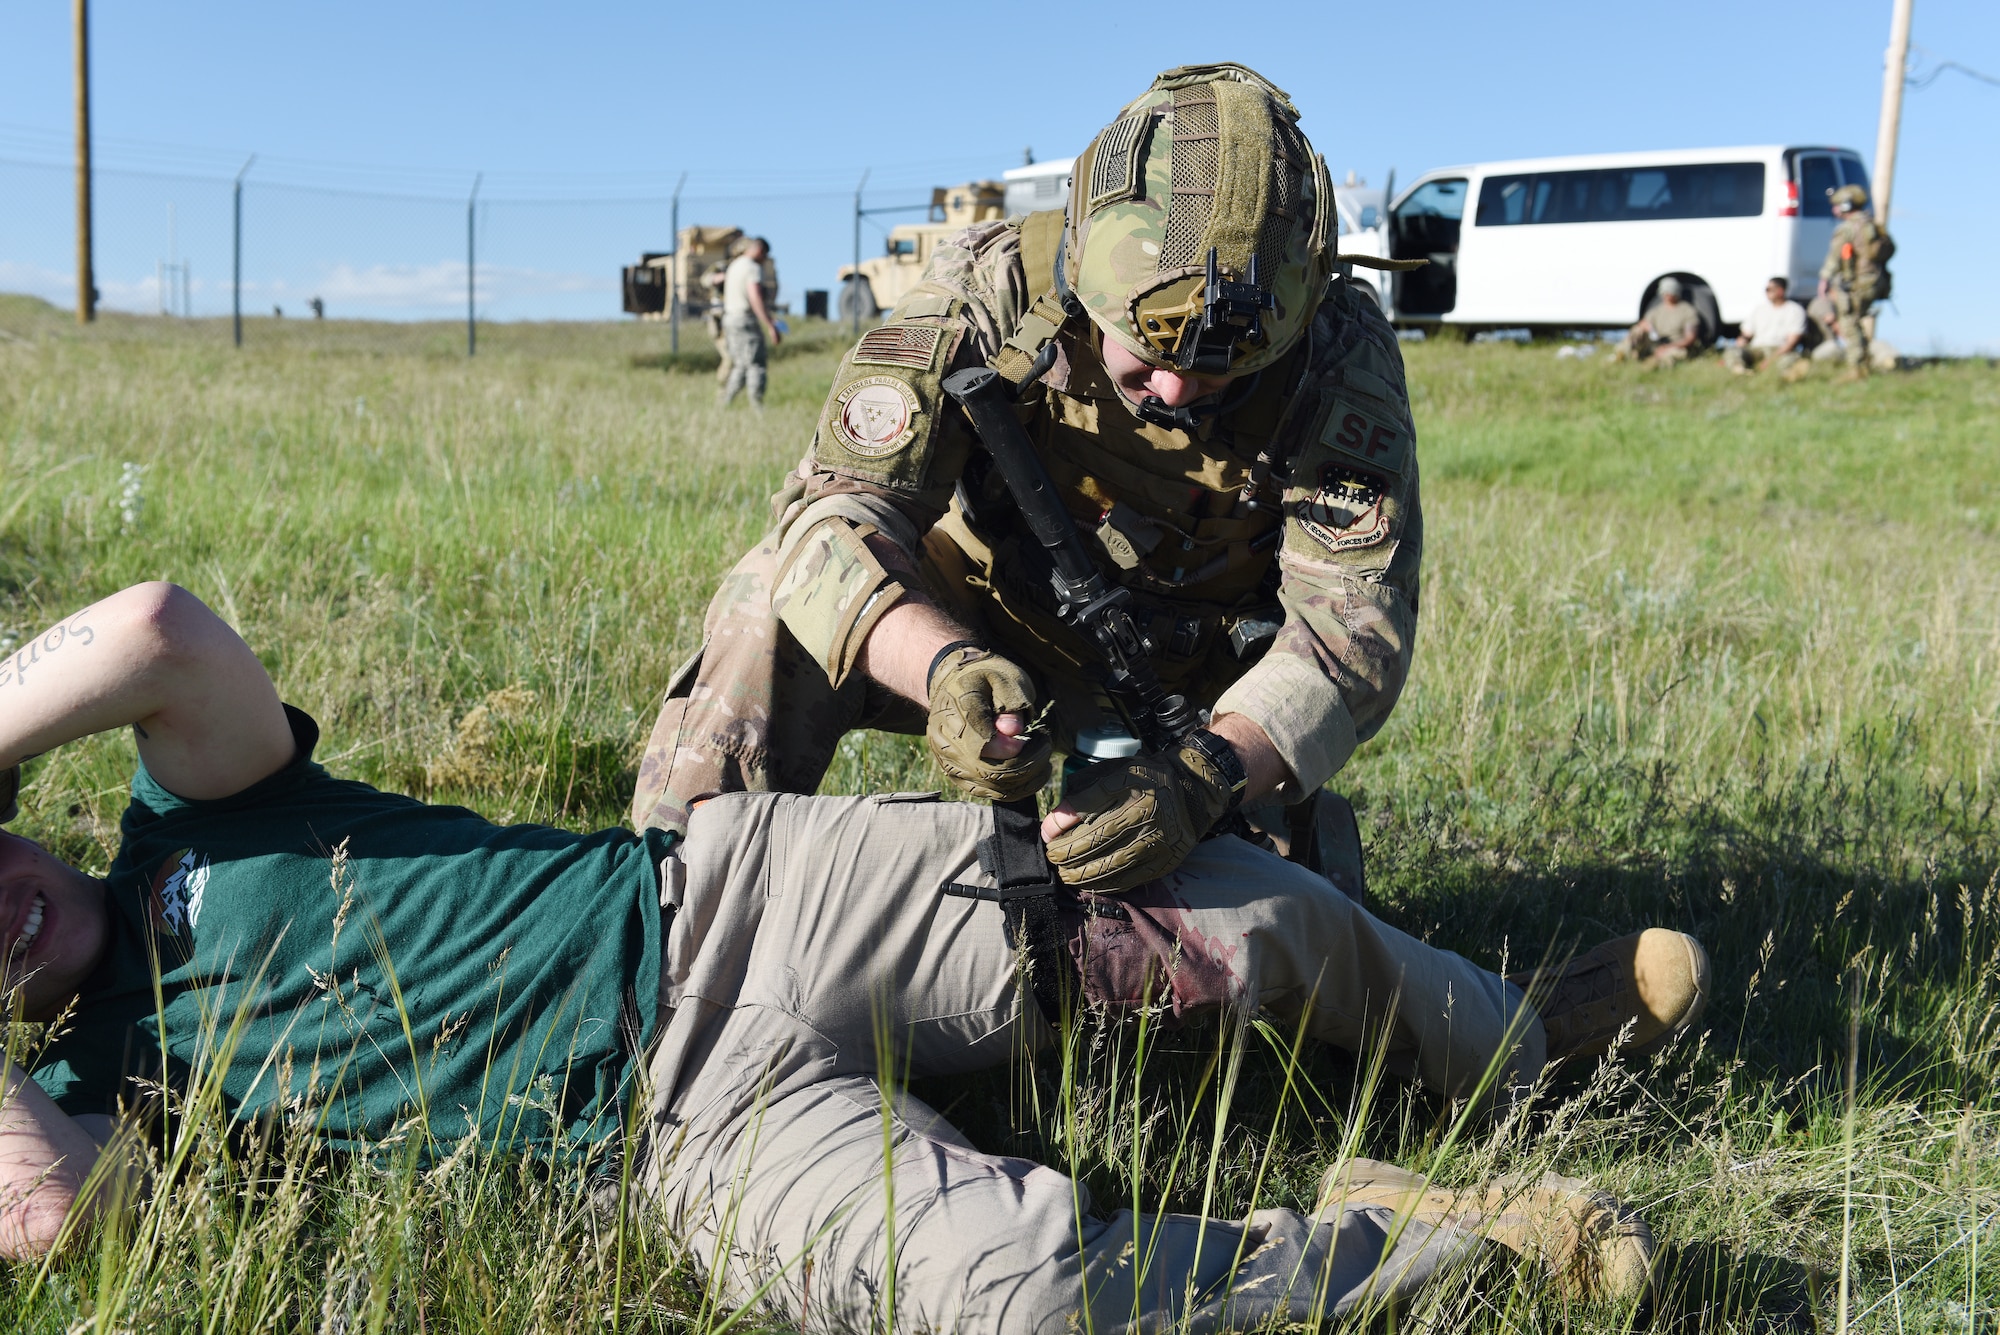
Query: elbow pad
[[830, 590]]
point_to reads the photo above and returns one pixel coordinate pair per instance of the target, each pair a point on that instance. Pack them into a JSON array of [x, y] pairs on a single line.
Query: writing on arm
[[155, 658]]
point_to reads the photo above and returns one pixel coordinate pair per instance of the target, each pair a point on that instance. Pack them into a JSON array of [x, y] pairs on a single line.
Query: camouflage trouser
[[744, 338], [1851, 321], [1643, 347], [753, 712]]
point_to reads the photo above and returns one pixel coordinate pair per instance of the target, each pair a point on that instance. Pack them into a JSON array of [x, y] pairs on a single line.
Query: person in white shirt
[[1773, 334], [747, 323]]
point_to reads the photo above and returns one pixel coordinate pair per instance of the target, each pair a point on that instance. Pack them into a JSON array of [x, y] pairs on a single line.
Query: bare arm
[[46, 1158], [901, 647], [762, 313], [152, 657]]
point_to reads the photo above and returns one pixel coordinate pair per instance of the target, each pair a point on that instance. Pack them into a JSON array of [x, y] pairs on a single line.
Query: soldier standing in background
[[1255, 488], [712, 283], [747, 323], [1855, 275]]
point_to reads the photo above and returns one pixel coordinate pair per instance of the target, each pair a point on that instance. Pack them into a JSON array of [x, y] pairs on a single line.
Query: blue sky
[[775, 109]]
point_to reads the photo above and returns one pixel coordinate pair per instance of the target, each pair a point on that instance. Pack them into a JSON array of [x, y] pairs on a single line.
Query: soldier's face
[[1138, 379], [52, 925]]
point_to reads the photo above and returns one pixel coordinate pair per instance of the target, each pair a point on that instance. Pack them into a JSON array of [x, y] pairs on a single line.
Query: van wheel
[[1697, 294], [857, 294]]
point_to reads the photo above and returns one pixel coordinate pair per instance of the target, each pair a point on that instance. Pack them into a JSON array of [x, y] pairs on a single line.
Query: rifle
[[1086, 602]]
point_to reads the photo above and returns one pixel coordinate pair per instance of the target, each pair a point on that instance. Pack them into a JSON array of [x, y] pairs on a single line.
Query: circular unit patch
[[875, 416]]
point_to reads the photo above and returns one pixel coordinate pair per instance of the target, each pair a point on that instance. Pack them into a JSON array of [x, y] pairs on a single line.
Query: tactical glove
[[1142, 817], [969, 688]]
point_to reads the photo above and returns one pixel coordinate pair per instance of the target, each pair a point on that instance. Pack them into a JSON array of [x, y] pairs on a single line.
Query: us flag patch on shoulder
[[912, 345]]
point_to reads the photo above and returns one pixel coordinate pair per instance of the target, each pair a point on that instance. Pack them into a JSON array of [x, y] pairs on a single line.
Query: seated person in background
[[1670, 331], [1773, 333], [746, 982]]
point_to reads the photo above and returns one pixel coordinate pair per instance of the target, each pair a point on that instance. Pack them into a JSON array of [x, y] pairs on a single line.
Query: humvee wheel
[[857, 294]]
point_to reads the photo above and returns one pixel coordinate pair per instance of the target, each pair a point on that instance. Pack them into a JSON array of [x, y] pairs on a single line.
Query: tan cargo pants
[[811, 951]]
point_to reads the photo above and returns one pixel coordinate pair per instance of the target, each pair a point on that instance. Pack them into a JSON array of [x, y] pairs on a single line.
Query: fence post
[[854, 277], [236, 257], [674, 273], [86, 269], [471, 204]]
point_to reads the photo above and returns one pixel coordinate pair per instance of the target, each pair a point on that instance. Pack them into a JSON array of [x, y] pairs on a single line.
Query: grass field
[[1717, 654]]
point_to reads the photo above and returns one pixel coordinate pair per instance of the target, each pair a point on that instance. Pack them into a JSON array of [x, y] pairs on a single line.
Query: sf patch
[[874, 416], [1345, 511]]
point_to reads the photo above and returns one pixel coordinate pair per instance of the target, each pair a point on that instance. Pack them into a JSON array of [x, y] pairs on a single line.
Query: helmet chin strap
[[1153, 410], [1187, 417]]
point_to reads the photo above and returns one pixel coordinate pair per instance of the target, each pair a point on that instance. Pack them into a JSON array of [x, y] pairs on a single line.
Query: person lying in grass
[[720, 1007]]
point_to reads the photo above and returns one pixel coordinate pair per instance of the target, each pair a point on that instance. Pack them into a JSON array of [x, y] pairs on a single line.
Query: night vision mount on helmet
[[1203, 335], [1200, 224]]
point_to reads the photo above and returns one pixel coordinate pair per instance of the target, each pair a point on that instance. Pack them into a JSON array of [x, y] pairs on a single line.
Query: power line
[[1929, 77], [35, 145]]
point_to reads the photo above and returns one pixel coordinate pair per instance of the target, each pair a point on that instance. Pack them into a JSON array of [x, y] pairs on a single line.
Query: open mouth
[[31, 928]]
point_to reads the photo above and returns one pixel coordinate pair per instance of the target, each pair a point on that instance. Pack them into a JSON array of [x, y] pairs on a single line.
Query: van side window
[[1435, 199], [1623, 194], [1851, 171], [1816, 179]]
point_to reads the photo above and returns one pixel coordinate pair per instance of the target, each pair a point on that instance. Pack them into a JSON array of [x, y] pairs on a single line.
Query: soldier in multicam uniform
[[1259, 498], [1854, 276]]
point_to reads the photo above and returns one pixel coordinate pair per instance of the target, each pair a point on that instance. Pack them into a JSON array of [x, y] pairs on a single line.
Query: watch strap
[[1216, 749]]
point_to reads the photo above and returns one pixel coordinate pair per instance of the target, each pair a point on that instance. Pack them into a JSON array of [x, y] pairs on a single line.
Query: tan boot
[[1656, 981], [1592, 1246]]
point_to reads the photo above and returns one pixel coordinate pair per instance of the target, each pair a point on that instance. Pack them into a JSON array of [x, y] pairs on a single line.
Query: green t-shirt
[[490, 977]]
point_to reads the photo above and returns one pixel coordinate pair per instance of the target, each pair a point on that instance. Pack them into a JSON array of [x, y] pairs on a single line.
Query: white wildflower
[[132, 496]]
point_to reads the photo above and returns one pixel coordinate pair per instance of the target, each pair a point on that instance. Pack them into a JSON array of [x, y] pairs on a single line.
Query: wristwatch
[[1216, 749]]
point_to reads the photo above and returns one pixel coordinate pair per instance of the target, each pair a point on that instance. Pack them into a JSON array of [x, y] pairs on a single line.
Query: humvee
[[694, 271], [883, 279]]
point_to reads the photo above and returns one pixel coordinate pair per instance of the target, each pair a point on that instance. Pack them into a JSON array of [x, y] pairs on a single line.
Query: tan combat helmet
[[1849, 196], [1201, 223]]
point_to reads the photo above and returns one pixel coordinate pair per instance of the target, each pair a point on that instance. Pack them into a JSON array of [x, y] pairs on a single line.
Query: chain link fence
[[166, 243]]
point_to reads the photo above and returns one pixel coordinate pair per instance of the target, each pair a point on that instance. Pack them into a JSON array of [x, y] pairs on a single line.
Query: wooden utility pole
[[86, 276], [1892, 108]]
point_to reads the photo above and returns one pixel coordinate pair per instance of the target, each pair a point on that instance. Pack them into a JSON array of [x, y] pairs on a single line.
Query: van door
[[1425, 225], [1816, 176]]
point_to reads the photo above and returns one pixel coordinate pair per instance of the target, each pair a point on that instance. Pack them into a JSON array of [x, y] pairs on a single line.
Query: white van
[[1583, 242]]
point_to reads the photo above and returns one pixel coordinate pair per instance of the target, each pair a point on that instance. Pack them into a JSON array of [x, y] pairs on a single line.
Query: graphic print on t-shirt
[[177, 892]]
